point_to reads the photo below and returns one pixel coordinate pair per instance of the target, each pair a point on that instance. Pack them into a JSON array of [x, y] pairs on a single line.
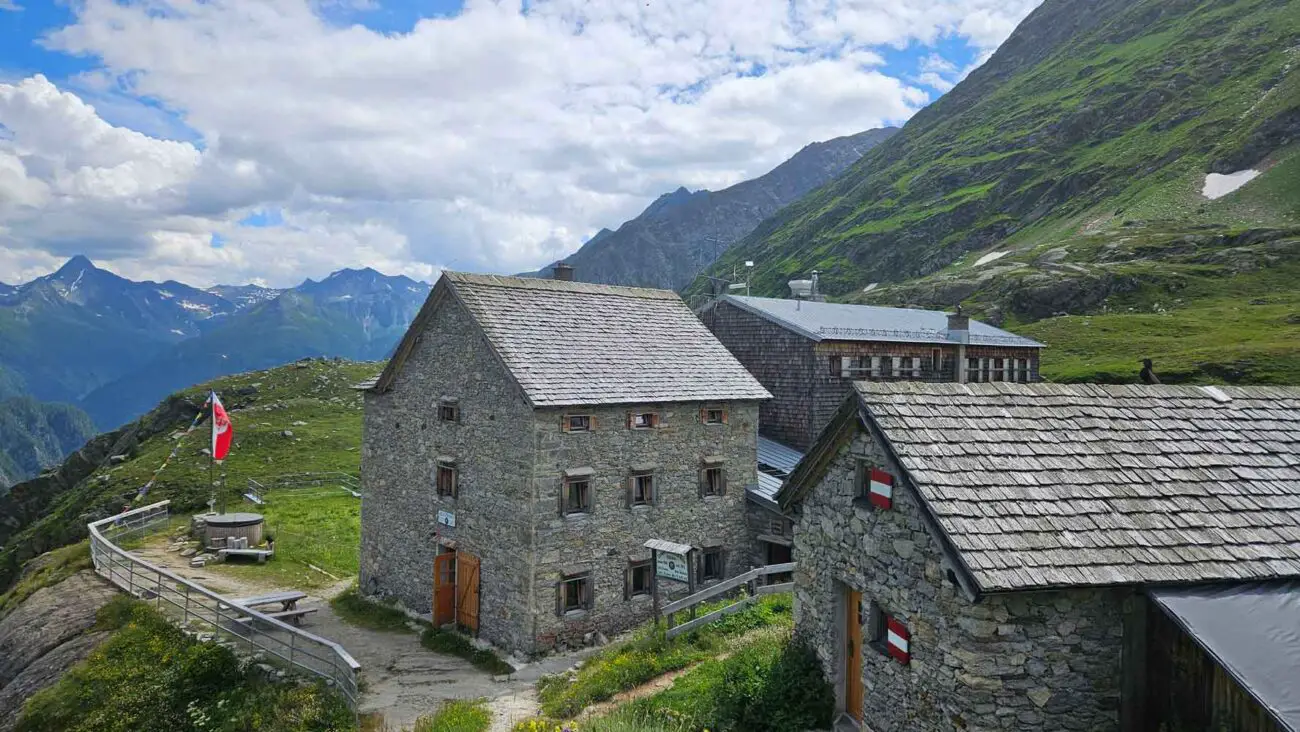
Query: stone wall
[[782, 362], [612, 534], [1021, 661], [403, 438]]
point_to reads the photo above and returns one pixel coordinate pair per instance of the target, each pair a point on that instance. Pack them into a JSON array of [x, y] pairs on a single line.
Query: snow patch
[[871, 287], [178, 332], [990, 257], [194, 306], [165, 294], [1218, 186]]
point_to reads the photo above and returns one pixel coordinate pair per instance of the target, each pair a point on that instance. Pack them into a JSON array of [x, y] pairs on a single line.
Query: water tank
[[801, 289]]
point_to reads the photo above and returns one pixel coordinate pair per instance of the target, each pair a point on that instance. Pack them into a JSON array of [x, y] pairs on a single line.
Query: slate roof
[[576, 343], [843, 322], [778, 461], [1041, 485]]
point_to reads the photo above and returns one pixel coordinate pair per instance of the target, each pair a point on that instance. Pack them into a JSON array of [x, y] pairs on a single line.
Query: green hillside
[[52, 510], [1094, 124], [36, 435]]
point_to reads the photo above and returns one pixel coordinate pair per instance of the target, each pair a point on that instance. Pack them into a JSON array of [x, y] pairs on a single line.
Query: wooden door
[[444, 588], [853, 655], [467, 592]]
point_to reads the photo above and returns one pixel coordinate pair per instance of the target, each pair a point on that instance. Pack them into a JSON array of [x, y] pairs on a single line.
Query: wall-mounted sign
[[447, 518], [672, 566]]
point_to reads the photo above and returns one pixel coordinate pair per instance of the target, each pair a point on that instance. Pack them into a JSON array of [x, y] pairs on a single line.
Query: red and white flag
[[222, 431], [880, 491]]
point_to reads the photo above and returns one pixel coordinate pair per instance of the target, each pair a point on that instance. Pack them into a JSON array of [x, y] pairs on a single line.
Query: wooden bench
[[288, 600], [293, 616]]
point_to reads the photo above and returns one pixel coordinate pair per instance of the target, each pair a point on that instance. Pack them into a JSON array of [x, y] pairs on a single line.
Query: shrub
[[151, 677]]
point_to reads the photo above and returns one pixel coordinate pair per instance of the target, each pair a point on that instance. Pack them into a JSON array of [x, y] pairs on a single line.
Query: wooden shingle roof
[[576, 343], [1045, 485]]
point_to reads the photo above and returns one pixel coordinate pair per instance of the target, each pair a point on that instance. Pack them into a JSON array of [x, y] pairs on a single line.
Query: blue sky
[[284, 139]]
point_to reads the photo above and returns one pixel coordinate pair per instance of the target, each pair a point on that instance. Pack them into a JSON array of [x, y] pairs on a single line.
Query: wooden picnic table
[[288, 600]]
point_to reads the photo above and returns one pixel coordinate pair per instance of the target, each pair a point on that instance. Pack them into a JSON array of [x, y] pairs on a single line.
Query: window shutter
[[559, 598], [591, 423], [654, 492], [722, 484], [704, 480], [837, 365], [630, 418], [564, 423], [704, 415], [722, 563], [724, 415], [629, 493], [455, 482], [564, 497], [587, 598], [627, 583]]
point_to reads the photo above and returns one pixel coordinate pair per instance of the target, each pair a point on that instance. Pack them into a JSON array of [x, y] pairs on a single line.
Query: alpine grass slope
[[1065, 178]]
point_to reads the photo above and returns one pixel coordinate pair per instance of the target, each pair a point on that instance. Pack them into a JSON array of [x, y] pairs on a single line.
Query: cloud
[[10, 5], [495, 139]]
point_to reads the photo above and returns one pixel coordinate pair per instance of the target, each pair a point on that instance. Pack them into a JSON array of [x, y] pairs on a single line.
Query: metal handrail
[[145, 580]]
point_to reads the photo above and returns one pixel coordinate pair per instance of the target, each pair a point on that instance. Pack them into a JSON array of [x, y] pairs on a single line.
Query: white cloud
[[495, 139], [10, 5]]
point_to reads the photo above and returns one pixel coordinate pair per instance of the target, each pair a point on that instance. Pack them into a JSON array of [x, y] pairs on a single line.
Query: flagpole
[[212, 446]]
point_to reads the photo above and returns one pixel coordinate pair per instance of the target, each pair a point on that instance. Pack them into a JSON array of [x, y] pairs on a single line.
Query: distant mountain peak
[[77, 264]]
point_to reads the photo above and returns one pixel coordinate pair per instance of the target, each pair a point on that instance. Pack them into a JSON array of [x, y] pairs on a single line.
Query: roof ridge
[[552, 285]]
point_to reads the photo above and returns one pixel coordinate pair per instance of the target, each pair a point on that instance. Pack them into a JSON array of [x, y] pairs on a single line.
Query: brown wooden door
[[467, 592], [853, 656], [444, 588]]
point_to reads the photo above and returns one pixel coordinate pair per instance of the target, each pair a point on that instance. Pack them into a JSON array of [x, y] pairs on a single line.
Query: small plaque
[[447, 518], [672, 566]]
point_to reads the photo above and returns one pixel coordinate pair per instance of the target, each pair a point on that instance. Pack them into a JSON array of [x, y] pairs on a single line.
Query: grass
[[649, 654], [149, 676], [318, 527], [52, 569], [357, 610], [456, 716], [451, 643], [621, 720]]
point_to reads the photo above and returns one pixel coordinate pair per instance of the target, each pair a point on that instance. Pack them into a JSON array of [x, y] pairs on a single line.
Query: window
[[1022, 370], [711, 563], [837, 366], [936, 365], [573, 594], [888, 635], [713, 415], [641, 488], [643, 420], [578, 423], [997, 372], [875, 487], [973, 369], [887, 367], [714, 481], [449, 411], [576, 495], [446, 478], [640, 575]]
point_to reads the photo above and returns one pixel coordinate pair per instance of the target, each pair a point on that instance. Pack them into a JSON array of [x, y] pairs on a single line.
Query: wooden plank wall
[[1188, 692]]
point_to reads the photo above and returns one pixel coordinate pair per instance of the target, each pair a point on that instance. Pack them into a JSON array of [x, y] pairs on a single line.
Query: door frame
[[850, 634]]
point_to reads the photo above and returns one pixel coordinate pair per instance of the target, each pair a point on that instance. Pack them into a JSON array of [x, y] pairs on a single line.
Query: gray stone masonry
[[606, 539], [1019, 661], [403, 439], [511, 461]]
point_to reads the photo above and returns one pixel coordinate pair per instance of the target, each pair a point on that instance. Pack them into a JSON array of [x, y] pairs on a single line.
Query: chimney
[[816, 295], [562, 271], [959, 326]]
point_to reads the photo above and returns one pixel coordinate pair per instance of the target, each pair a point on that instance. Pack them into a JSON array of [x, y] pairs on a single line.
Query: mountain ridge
[[682, 231]]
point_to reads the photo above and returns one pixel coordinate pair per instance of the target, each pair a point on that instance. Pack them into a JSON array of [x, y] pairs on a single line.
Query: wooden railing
[[746, 579], [198, 609]]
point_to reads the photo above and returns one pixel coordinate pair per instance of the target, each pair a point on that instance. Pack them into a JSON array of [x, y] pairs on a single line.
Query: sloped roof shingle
[[1040, 485], [571, 343]]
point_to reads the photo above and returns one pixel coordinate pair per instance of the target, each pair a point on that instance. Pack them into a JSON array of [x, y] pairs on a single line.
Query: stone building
[[529, 436], [1003, 556], [808, 353]]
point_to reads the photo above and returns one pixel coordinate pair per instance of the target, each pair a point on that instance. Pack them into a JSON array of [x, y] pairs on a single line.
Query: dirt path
[[402, 680]]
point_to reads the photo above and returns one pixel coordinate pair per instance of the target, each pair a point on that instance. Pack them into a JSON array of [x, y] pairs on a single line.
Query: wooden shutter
[[704, 415], [559, 598], [564, 496], [837, 365], [627, 583], [586, 590], [630, 492], [704, 480], [631, 420], [455, 482], [722, 481], [591, 423], [724, 415], [564, 423]]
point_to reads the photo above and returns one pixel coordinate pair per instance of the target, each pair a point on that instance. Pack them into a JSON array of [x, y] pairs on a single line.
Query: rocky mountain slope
[[683, 232], [35, 435], [1094, 164]]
